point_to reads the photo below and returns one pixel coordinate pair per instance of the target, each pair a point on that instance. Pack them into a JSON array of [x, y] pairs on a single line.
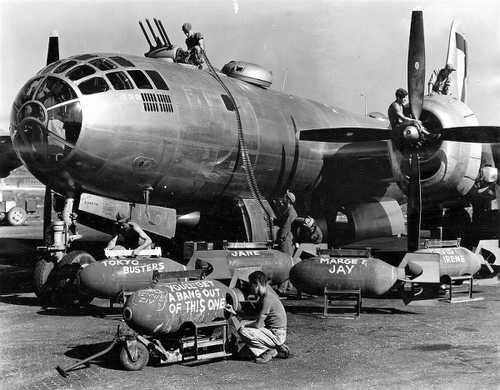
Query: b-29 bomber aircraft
[[150, 130]]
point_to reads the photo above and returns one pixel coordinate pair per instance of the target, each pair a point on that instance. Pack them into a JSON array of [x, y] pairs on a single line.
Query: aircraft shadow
[[318, 310], [16, 280], [15, 299]]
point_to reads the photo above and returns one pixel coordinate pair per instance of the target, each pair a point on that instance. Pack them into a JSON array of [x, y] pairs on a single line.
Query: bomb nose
[[413, 270], [92, 280], [127, 314]]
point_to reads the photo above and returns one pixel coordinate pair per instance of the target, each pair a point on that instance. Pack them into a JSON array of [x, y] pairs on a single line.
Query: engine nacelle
[[448, 169], [378, 218]]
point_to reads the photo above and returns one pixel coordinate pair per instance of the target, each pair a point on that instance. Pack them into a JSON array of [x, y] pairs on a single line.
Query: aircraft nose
[[46, 121]]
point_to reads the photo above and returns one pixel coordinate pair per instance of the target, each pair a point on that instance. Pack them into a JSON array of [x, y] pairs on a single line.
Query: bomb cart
[[173, 322]]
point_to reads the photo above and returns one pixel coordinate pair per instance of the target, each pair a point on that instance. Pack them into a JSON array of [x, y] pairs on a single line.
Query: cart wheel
[[137, 359], [16, 216], [43, 268]]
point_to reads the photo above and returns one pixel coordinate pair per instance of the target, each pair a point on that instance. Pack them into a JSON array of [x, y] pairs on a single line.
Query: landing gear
[[43, 268], [54, 277]]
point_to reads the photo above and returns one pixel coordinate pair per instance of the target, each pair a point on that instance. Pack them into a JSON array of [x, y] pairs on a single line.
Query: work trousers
[[286, 246], [259, 340]]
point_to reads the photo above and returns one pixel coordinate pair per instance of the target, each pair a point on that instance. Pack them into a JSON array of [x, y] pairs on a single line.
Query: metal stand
[[454, 289], [342, 300], [199, 347]]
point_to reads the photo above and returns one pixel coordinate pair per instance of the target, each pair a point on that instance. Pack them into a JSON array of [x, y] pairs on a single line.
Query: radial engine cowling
[[378, 218], [448, 169]]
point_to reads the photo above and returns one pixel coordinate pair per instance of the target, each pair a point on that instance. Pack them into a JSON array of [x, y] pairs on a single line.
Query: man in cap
[[439, 81], [129, 234], [397, 116], [306, 230], [194, 43], [285, 236]]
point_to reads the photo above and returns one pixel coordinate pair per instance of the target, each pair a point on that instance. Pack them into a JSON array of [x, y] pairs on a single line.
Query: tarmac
[[432, 345]]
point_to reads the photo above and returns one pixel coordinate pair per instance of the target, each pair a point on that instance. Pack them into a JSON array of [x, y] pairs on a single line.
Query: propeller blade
[[416, 64], [414, 203], [53, 49], [477, 134], [346, 134]]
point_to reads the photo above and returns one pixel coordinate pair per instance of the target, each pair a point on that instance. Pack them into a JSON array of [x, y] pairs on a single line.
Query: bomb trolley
[[194, 342]]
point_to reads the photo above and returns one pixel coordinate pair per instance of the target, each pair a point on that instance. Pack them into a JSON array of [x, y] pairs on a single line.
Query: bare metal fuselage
[[183, 142], [190, 152]]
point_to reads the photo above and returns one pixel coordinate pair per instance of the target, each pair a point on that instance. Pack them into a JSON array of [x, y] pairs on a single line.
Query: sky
[[330, 51]]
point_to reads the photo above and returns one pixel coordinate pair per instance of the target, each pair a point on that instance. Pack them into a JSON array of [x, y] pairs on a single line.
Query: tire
[[43, 268], [142, 357], [16, 216], [83, 258], [2, 216]]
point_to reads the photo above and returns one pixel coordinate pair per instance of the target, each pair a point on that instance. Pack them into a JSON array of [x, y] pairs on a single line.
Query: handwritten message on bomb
[[188, 297]]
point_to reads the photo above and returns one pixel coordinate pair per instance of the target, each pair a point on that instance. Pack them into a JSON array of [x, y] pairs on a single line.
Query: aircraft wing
[[8, 157]]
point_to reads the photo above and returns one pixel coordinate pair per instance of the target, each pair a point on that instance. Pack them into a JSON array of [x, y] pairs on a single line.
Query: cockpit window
[[119, 80], [84, 57], [54, 91], [26, 93], [122, 61], [93, 85], [49, 67], [140, 79], [103, 64], [80, 72], [64, 123], [157, 80], [64, 66]]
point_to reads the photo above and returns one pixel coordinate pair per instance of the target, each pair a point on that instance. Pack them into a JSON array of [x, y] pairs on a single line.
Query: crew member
[[195, 46], [130, 235], [266, 336], [396, 113], [439, 81], [285, 236], [307, 231]]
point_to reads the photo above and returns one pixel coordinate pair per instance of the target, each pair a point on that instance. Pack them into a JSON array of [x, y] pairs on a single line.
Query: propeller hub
[[411, 134]]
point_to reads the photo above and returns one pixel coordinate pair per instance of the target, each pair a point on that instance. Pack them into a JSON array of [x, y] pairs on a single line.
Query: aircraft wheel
[[135, 358], [83, 258], [43, 268], [16, 216]]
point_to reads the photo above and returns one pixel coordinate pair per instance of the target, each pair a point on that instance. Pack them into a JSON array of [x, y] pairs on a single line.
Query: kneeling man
[[266, 336]]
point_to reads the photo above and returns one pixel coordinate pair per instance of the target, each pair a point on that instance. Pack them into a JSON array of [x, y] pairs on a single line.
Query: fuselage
[[179, 136], [116, 125]]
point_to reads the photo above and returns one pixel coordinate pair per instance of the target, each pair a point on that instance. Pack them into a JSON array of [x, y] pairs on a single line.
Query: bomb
[[371, 275], [107, 278], [165, 308]]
